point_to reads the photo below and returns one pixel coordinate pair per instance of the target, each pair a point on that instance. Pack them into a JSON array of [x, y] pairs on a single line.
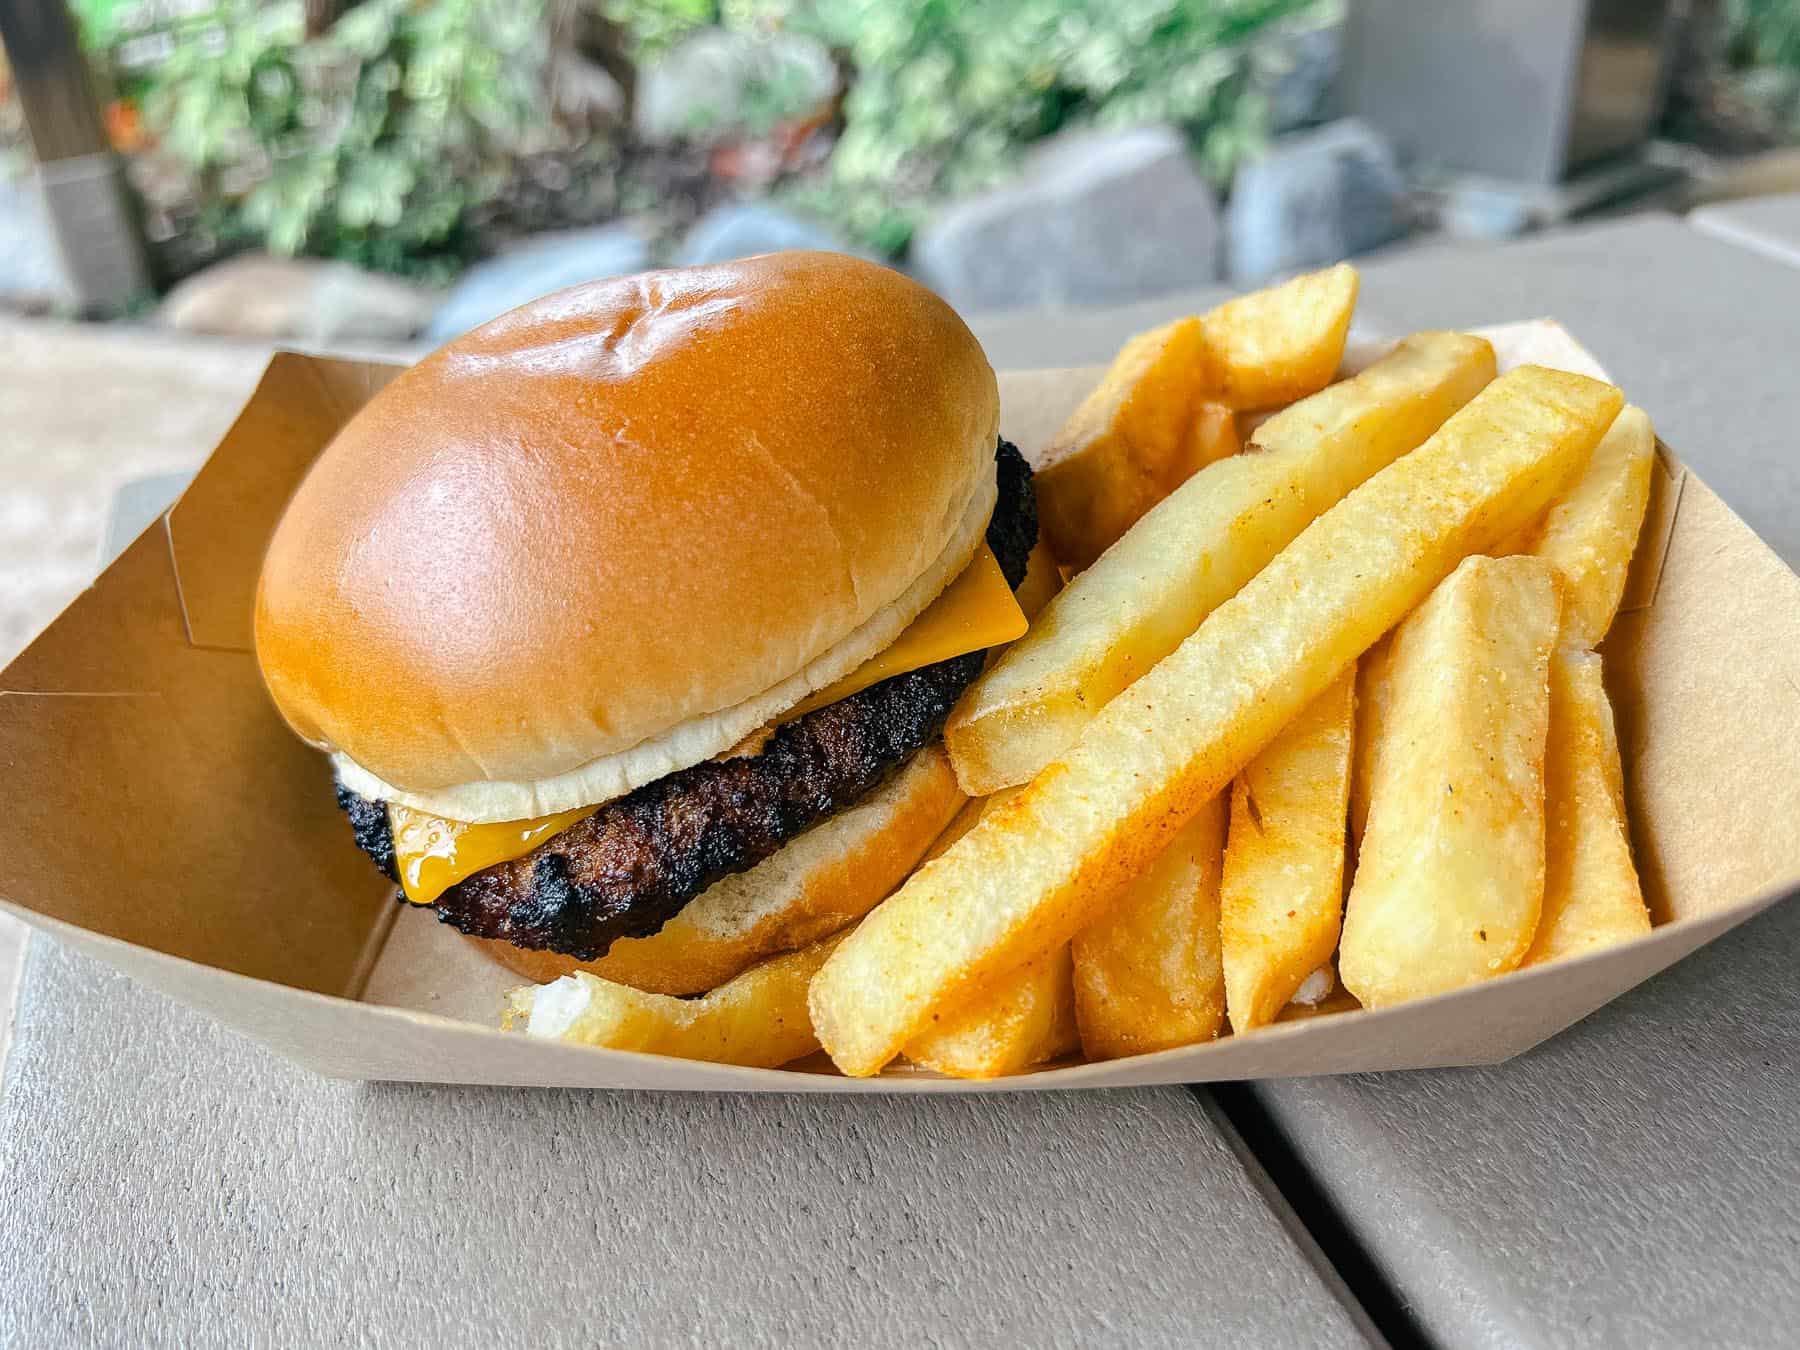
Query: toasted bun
[[820, 883], [620, 510]]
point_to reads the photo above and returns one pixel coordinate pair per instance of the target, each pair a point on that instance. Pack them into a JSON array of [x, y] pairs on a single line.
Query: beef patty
[[628, 869]]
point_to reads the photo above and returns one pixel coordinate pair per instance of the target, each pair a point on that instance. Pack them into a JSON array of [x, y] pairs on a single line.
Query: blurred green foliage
[[947, 93], [1762, 52], [657, 25], [1763, 32], [378, 141], [370, 143]]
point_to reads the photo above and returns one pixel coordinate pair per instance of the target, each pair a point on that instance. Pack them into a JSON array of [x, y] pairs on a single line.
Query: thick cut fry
[[1590, 535], [1147, 971], [1043, 579], [1132, 440], [758, 1018], [1278, 345], [1282, 897], [1195, 550], [1450, 877], [1591, 894], [1035, 871], [1215, 438], [1372, 689], [1026, 1019]]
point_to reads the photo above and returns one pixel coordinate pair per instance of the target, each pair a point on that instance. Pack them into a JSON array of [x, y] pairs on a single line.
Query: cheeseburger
[[630, 620]]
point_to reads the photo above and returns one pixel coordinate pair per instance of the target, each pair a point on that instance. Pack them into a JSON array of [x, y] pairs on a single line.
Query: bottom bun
[[823, 881]]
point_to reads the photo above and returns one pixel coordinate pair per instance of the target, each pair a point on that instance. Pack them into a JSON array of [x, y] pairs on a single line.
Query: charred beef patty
[[628, 869]]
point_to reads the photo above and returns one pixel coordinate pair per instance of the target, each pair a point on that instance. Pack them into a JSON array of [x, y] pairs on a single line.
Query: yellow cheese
[[976, 611], [433, 853]]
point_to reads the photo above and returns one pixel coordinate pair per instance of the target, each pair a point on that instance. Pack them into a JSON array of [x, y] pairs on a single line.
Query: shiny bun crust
[[625, 506], [822, 882]]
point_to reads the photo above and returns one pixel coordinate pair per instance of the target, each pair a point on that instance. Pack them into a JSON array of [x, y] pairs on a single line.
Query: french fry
[[1282, 896], [1147, 971], [1043, 579], [1026, 1019], [1590, 535], [1039, 868], [1132, 440], [758, 1018], [1164, 408], [1278, 345], [1372, 690], [1591, 894], [1194, 550], [1216, 436], [1450, 877]]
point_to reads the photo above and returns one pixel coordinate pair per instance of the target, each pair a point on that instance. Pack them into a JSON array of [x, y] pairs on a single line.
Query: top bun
[[622, 508]]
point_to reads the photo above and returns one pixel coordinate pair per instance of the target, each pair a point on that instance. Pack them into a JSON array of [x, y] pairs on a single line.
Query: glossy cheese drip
[[433, 853], [976, 611]]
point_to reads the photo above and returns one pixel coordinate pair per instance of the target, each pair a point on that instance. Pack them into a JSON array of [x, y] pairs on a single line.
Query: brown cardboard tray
[[157, 814]]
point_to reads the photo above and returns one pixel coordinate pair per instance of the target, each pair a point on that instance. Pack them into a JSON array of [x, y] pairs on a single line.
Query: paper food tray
[[158, 814]]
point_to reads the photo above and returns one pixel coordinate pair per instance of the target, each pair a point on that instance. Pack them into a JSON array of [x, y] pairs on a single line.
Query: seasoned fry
[[1278, 345], [1194, 550], [1450, 877], [1591, 894], [1282, 896], [1372, 690], [1027, 1018], [757, 1018], [1147, 970], [1036, 870], [1024, 1018], [1590, 535], [1132, 440]]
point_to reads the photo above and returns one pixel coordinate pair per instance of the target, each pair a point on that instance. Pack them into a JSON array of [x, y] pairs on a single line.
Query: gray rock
[[746, 228], [702, 85], [1314, 198], [587, 94], [31, 268], [1095, 218], [257, 296], [1296, 64], [546, 263]]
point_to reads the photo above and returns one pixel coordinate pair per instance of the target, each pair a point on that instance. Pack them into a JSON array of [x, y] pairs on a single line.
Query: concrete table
[[163, 1182], [1766, 225]]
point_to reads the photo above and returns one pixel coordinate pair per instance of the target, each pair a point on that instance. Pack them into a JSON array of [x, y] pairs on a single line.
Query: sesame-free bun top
[[612, 526]]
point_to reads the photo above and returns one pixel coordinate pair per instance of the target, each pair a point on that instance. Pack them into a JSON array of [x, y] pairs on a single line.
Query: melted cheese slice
[[432, 853], [976, 611]]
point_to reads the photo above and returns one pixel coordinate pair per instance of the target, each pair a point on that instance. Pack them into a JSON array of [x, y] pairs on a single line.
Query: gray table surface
[[165, 1183], [1766, 225], [1634, 1180]]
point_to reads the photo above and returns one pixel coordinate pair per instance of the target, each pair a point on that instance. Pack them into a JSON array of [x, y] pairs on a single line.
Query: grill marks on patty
[[628, 869]]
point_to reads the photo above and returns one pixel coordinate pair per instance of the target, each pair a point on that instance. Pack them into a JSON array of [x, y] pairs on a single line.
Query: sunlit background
[[463, 155]]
